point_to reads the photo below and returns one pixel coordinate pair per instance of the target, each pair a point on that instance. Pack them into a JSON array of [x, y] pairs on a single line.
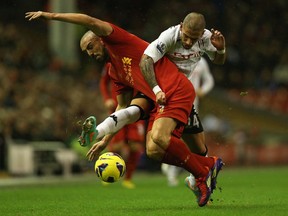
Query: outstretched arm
[[147, 69], [99, 27]]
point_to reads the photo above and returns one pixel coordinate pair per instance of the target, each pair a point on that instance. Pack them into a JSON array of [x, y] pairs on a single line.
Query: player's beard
[[102, 58]]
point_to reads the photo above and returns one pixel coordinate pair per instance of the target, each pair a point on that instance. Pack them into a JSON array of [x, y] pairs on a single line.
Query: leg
[[177, 153], [139, 107], [153, 151], [196, 142], [118, 120], [193, 134], [112, 124], [161, 135], [135, 142], [194, 137], [172, 174], [135, 152]]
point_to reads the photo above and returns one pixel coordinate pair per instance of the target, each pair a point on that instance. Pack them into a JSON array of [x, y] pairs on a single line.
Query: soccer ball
[[110, 167]]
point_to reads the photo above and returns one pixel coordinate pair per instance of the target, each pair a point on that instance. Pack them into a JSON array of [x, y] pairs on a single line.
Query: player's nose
[[89, 52], [189, 42]]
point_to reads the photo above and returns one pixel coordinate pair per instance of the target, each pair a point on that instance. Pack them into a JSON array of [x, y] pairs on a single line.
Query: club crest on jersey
[[127, 62], [160, 47]]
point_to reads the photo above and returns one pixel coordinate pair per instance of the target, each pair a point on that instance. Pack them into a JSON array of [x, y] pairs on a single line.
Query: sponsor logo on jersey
[[188, 56]]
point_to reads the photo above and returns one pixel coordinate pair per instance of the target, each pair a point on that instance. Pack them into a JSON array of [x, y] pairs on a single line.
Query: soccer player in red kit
[[167, 121]]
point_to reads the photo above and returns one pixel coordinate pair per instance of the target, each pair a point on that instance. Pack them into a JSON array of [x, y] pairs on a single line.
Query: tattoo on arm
[[147, 69]]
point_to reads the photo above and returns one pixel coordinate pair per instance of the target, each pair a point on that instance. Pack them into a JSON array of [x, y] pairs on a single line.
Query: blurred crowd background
[[43, 98]]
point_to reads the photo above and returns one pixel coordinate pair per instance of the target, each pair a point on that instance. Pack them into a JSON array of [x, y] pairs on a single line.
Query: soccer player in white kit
[[184, 44]]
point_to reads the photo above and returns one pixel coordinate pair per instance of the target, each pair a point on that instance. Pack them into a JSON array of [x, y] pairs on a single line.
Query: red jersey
[[107, 87], [125, 51], [107, 90]]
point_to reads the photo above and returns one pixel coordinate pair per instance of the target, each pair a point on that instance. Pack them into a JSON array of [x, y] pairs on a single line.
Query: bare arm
[[98, 147], [147, 69], [98, 26], [218, 40], [220, 57]]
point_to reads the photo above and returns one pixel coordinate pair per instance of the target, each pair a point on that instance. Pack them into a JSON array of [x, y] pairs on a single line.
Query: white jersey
[[169, 44], [201, 78]]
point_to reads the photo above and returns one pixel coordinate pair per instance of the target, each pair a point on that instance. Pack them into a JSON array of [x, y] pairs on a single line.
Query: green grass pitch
[[243, 191]]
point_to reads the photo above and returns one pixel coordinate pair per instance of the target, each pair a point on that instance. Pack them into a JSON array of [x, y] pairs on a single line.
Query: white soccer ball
[[110, 167]]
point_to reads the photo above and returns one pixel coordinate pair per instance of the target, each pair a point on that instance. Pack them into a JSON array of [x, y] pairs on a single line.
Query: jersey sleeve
[[159, 47]]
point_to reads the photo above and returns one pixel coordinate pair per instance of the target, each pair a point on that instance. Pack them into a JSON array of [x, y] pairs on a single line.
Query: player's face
[[94, 48], [189, 37]]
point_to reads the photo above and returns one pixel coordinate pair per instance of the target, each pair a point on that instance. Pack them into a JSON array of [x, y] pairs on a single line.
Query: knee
[[159, 138], [154, 152]]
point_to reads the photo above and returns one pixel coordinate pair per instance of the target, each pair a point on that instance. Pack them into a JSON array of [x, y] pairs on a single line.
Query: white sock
[[192, 180], [172, 174], [117, 120]]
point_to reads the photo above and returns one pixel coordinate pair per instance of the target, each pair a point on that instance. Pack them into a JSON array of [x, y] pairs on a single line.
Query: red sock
[[170, 159], [179, 154], [132, 163]]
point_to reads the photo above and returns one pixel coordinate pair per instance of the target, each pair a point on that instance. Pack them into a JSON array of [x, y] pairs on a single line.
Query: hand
[[161, 98], [217, 39], [96, 149], [35, 15]]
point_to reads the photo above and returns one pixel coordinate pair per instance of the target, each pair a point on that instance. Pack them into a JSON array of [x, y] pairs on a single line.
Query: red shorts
[[178, 106], [132, 132]]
